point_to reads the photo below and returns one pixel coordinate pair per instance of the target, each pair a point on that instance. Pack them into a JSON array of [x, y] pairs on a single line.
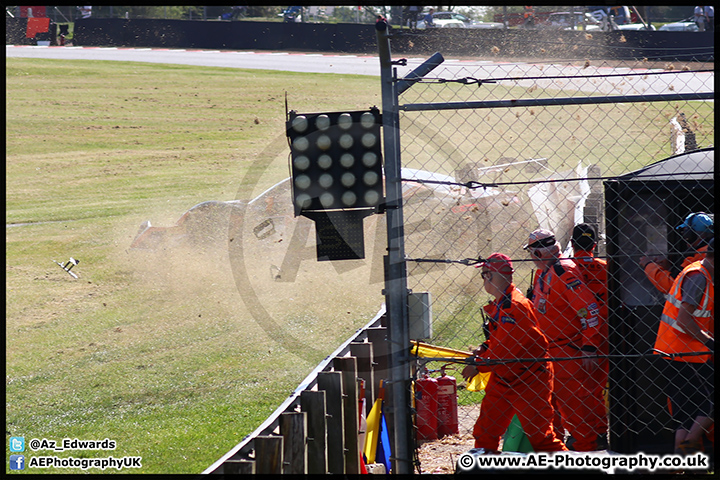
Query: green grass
[[155, 350]]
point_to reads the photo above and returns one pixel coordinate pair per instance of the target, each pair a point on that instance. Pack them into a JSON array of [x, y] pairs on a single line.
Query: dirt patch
[[440, 456]]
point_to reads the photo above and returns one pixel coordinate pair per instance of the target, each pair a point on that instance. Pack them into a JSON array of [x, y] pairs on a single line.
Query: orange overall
[[569, 316], [594, 274], [521, 388]]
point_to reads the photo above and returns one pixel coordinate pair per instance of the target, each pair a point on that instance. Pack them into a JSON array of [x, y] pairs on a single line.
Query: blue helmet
[[699, 222]]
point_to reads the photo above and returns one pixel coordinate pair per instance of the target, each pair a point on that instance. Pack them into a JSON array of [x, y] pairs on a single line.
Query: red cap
[[497, 262]]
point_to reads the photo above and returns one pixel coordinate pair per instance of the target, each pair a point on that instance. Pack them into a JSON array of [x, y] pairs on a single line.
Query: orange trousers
[[530, 400], [578, 400]]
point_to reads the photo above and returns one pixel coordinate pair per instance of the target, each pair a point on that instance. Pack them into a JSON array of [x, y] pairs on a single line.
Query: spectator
[[696, 230], [569, 316], [687, 326], [700, 18], [620, 15], [413, 12], [428, 19], [85, 12], [237, 12], [709, 18], [528, 17], [522, 389]]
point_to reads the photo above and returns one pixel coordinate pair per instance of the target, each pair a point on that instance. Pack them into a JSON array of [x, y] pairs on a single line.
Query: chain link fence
[[493, 151]]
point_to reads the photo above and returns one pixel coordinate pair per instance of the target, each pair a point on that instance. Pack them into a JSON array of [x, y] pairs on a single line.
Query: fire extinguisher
[[426, 407], [447, 405]]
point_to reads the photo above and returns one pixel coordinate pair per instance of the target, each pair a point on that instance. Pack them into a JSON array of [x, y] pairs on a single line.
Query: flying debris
[[68, 266]]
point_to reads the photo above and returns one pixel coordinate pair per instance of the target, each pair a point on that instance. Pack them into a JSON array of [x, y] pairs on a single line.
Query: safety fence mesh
[[478, 178]]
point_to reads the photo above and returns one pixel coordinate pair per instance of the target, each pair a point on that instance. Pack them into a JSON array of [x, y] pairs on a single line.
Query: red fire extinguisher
[[447, 405], [426, 407]]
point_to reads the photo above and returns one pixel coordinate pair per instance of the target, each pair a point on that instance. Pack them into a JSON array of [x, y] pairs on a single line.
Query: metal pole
[[540, 102], [396, 292], [417, 74], [637, 12]]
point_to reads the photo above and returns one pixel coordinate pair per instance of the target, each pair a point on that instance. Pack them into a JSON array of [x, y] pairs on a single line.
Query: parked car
[[445, 16], [563, 21], [445, 20], [635, 26], [485, 25], [679, 27]]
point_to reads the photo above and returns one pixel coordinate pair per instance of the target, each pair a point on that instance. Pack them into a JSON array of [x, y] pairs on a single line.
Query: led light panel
[[336, 160]]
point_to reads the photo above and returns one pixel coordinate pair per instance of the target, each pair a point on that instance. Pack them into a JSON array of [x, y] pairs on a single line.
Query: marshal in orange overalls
[[594, 275], [568, 314], [691, 386], [522, 388]]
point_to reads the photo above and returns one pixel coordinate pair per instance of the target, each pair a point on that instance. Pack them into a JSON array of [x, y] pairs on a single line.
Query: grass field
[[155, 350]]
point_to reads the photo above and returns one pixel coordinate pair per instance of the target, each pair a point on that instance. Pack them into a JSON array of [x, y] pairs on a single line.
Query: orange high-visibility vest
[[671, 337]]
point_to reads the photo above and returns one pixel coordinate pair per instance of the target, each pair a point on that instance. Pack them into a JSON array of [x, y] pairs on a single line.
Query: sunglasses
[[545, 242], [486, 275]]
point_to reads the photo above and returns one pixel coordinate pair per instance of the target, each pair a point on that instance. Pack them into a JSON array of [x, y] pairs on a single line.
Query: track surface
[[681, 82]]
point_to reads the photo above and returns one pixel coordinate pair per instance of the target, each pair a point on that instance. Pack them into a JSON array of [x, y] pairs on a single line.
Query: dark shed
[[642, 210]]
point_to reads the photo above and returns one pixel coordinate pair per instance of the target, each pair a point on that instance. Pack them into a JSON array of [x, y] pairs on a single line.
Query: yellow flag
[[426, 350], [373, 431], [476, 384]]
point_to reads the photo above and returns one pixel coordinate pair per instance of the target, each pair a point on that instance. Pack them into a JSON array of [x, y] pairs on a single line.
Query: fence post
[[593, 213], [377, 336], [348, 368], [362, 351], [293, 426], [331, 384], [395, 267], [268, 454], [238, 467], [313, 404]]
